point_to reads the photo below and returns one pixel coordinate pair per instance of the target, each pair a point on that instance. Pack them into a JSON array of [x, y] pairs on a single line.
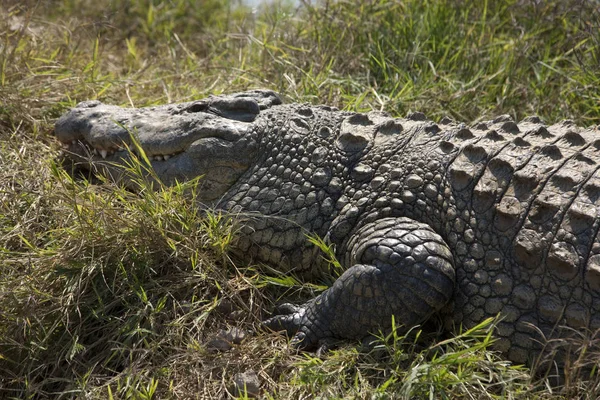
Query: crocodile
[[428, 220]]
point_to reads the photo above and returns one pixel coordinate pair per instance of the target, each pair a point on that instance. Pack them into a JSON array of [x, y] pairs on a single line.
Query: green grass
[[109, 294]]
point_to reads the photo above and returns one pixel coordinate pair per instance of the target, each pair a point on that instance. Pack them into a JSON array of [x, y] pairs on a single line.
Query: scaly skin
[[426, 218]]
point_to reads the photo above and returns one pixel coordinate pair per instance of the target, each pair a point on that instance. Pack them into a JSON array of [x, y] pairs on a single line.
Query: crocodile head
[[216, 138]]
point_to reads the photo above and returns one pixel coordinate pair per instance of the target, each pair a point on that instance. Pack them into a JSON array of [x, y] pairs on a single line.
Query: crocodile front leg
[[398, 267]]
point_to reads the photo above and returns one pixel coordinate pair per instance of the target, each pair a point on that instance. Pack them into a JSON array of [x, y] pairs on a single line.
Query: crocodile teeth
[[103, 153], [167, 157], [95, 151], [74, 142]]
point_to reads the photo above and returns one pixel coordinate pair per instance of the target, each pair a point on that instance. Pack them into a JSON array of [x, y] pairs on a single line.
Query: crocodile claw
[[295, 322], [286, 309]]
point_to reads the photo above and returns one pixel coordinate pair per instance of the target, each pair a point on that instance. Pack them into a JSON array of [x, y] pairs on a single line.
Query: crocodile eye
[[198, 106]]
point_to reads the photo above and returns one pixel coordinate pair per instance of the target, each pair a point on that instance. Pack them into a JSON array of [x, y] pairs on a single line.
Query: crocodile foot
[[405, 270], [307, 329]]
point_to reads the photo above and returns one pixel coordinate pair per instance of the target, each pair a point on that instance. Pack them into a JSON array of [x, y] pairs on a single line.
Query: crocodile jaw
[[216, 138]]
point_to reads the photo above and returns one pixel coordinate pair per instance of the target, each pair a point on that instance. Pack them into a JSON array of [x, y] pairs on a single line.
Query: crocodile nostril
[[198, 106], [89, 104]]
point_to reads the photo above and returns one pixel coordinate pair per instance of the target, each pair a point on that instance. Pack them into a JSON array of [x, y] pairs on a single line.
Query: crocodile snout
[[99, 125]]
